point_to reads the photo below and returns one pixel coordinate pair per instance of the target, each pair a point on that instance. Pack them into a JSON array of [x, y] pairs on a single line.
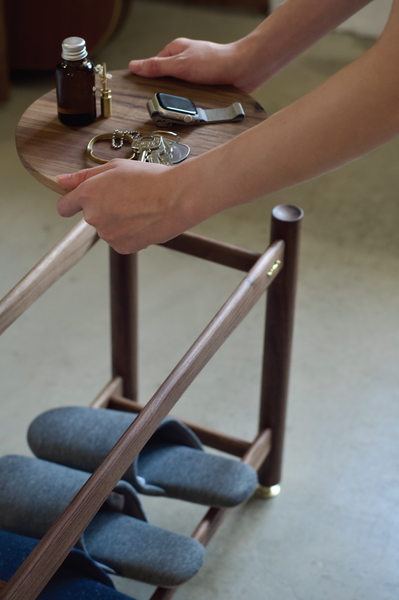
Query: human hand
[[197, 62], [131, 204]]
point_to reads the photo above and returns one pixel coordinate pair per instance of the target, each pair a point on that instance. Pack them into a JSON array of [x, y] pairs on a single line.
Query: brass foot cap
[[265, 493]]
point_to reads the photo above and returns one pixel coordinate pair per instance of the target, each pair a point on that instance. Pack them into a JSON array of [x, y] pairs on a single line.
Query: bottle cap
[[74, 48]]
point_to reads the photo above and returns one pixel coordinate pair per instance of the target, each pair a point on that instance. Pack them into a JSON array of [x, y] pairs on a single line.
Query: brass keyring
[[106, 136]]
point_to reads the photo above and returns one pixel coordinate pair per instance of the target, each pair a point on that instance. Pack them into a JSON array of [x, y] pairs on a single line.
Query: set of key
[[160, 147]]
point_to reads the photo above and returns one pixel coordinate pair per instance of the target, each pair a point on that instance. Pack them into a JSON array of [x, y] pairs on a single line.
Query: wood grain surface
[[47, 148], [213, 250]]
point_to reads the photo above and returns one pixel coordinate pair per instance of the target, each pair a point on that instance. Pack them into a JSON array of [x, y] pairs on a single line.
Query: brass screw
[[274, 268]]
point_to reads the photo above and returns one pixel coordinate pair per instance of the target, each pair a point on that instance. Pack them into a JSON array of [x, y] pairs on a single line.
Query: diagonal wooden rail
[[50, 552], [80, 240], [56, 263]]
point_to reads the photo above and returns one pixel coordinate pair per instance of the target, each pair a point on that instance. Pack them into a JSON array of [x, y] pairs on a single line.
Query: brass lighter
[[106, 98]]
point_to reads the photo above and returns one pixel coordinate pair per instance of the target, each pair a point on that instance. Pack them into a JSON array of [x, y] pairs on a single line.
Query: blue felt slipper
[[35, 492], [173, 462]]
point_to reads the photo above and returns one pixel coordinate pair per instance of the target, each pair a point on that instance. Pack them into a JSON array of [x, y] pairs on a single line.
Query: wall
[[370, 21]]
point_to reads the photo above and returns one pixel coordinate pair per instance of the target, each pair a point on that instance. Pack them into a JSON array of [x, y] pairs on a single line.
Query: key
[[145, 145], [174, 154], [166, 135], [164, 159], [179, 153], [176, 151], [142, 146], [159, 158], [136, 146], [168, 138], [160, 155]]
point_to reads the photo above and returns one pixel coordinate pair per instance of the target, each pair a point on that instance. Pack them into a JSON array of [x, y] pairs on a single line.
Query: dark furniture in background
[[31, 32]]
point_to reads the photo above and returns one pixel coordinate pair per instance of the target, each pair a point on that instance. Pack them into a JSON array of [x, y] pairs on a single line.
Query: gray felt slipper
[[35, 492], [173, 463]]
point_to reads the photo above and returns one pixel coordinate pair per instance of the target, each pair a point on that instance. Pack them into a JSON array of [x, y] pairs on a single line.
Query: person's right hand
[[195, 61], [130, 203]]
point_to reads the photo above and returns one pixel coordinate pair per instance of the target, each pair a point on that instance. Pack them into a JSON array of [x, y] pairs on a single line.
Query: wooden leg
[[286, 225], [124, 320]]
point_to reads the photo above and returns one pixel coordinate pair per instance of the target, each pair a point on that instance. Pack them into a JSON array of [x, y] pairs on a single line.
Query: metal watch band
[[234, 112]]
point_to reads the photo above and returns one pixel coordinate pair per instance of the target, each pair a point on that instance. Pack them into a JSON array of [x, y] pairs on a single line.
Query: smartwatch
[[169, 110]]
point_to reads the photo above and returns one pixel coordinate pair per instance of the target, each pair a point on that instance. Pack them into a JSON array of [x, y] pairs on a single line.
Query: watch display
[[183, 105]]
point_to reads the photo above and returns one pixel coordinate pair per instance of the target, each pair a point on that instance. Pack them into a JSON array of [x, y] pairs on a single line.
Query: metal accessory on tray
[[167, 110], [106, 98], [160, 147], [108, 136], [121, 134]]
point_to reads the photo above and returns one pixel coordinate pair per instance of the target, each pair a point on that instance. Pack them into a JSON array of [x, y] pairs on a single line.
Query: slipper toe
[[141, 551], [189, 474], [34, 493], [173, 463]]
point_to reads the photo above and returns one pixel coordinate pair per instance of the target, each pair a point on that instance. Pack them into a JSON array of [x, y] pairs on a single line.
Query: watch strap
[[234, 112]]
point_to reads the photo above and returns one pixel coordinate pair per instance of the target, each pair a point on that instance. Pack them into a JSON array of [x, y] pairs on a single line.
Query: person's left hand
[[131, 204], [193, 60]]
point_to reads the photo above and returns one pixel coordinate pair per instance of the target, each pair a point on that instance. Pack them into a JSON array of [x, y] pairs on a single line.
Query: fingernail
[[61, 179], [136, 66]]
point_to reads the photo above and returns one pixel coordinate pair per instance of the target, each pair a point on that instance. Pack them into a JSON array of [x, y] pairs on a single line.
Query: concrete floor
[[333, 531]]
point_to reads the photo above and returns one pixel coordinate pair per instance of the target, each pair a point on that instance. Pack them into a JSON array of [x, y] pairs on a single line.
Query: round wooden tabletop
[[47, 148]]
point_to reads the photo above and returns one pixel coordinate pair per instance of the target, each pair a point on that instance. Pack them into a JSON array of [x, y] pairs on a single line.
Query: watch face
[[176, 103]]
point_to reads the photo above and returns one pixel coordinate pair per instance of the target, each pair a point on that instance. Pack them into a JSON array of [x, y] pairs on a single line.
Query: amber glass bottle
[[76, 84]]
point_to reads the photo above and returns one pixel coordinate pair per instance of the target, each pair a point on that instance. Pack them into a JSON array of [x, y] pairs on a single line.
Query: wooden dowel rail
[[50, 552], [208, 437], [213, 250], [57, 262], [113, 387], [259, 449]]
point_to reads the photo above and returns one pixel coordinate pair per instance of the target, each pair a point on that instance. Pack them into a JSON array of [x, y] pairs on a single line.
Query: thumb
[[73, 180], [71, 203]]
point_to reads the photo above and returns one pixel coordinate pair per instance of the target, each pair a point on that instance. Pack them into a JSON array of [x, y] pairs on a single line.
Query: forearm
[[248, 62], [350, 114], [291, 28], [353, 112]]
